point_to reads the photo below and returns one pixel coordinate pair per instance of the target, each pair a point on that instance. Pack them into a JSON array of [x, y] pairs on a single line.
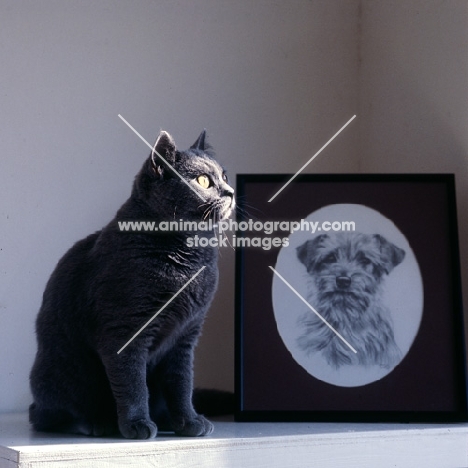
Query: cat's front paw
[[194, 427], [138, 429]]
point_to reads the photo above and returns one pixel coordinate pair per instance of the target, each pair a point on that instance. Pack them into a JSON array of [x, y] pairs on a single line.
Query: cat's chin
[[227, 210]]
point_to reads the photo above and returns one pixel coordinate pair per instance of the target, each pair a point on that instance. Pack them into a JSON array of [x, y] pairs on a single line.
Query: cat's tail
[[212, 402]]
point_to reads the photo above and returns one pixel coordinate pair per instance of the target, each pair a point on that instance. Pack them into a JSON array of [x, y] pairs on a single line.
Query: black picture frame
[[429, 383]]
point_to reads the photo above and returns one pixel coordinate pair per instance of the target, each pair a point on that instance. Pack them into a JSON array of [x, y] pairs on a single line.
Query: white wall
[[413, 94], [270, 80]]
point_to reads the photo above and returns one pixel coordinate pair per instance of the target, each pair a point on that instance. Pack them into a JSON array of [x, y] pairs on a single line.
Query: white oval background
[[402, 294]]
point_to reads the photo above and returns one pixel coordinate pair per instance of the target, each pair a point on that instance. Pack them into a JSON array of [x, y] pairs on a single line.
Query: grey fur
[[107, 286]]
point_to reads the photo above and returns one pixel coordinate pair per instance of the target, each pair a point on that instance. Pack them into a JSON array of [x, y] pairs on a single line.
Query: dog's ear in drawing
[[390, 254], [308, 252]]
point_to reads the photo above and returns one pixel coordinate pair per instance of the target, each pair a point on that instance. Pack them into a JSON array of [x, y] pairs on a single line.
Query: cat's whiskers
[[207, 213], [204, 204], [247, 214], [227, 240], [216, 220]]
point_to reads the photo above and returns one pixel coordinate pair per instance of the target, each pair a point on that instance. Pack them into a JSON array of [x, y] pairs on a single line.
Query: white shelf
[[244, 445]]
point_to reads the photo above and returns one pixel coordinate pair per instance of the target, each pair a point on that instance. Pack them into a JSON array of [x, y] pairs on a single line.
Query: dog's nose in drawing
[[343, 282]]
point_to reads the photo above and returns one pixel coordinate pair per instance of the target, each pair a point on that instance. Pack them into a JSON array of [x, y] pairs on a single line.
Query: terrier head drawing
[[347, 271]]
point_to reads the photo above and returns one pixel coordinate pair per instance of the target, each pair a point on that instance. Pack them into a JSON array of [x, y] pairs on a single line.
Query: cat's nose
[[228, 192], [343, 282]]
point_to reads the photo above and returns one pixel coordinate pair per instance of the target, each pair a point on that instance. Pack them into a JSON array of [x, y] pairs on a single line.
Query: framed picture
[[348, 299]]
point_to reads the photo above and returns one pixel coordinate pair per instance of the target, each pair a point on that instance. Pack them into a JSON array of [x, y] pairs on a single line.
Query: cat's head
[[188, 184]]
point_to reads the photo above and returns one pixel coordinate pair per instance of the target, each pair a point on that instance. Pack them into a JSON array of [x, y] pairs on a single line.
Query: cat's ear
[[165, 147], [201, 143]]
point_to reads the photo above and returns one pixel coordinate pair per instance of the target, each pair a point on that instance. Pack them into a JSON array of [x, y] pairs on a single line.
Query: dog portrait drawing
[[346, 273]]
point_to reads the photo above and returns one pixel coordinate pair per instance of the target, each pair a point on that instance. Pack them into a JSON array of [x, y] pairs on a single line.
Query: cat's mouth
[[221, 209]]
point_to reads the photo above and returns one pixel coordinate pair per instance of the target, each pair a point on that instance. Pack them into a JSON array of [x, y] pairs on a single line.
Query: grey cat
[[108, 285]]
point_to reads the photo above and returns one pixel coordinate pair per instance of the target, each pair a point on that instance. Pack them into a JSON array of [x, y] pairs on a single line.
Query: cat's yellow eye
[[204, 181]]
